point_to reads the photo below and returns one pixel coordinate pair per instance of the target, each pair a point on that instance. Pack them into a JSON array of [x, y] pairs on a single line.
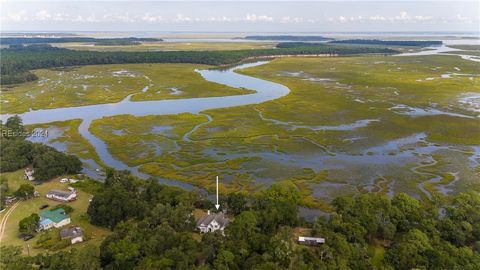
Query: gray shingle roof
[[60, 193], [71, 232], [207, 219]]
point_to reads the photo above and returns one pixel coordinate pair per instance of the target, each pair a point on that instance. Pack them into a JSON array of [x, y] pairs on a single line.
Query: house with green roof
[[53, 218]]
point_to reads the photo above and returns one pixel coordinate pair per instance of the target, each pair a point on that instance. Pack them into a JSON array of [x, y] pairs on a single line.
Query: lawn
[[25, 208]]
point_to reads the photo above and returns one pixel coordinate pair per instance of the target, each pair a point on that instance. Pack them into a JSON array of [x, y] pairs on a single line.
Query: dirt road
[[4, 220]]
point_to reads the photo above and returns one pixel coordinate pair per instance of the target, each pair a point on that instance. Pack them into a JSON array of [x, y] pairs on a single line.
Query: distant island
[[117, 42], [109, 41], [289, 38], [422, 43]]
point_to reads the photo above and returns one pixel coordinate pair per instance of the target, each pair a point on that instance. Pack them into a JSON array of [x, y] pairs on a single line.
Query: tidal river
[[265, 91]]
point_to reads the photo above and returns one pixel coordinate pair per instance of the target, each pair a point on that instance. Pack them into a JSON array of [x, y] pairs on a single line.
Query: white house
[[29, 174], [212, 222], [62, 196], [53, 218], [311, 241], [75, 234]]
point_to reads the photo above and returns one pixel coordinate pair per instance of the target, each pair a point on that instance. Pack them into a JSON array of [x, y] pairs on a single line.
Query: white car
[[64, 180]]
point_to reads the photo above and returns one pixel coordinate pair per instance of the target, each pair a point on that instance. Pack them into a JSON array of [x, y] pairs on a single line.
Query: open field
[[87, 85], [350, 125], [25, 208], [168, 46]]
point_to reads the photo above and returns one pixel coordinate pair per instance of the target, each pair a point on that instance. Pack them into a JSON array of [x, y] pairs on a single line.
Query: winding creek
[[265, 91]]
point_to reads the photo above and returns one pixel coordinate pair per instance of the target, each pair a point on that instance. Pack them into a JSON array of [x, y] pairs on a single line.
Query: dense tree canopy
[[29, 224], [153, 228], [25, 191], [17, 153], [17, 61]]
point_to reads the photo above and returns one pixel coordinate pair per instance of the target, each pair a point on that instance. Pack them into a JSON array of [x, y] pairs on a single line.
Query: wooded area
[[19, 60], [153, 229], [17, 153]]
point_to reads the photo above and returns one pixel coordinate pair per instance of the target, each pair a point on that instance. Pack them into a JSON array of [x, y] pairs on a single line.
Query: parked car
[[26, 236], [43, 206], [64, 180]]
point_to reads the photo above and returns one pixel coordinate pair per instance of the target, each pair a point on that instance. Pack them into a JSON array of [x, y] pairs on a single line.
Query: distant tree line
[[19, 60], [117, 43], [32, 40], [420, 43], [288, 38], [16, 152]]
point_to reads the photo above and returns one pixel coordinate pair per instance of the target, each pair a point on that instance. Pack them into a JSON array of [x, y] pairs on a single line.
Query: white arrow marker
[[217, 205]]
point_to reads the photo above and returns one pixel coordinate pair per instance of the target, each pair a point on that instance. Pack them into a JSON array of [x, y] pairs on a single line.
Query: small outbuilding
[[311, 241], [29, 174], [75, 234], [10, 200]]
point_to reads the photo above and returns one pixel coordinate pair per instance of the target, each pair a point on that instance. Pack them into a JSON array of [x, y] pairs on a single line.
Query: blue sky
[[240, 16]]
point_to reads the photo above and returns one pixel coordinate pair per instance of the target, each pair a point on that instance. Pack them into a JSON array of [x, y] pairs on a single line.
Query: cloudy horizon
[[241, 16]]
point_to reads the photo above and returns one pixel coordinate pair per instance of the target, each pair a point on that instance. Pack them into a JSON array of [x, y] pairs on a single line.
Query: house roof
[[311, 239], [71, 232], [45, 222], [56, 215], [60, 193], [207, 219]]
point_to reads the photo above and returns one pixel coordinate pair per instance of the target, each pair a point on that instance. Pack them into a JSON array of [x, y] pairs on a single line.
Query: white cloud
[[288, 19], [258, 18], [423, 18], [377, 18], [402, 17], [182, 18], [43, 15], [461, 19], [149, 18]]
